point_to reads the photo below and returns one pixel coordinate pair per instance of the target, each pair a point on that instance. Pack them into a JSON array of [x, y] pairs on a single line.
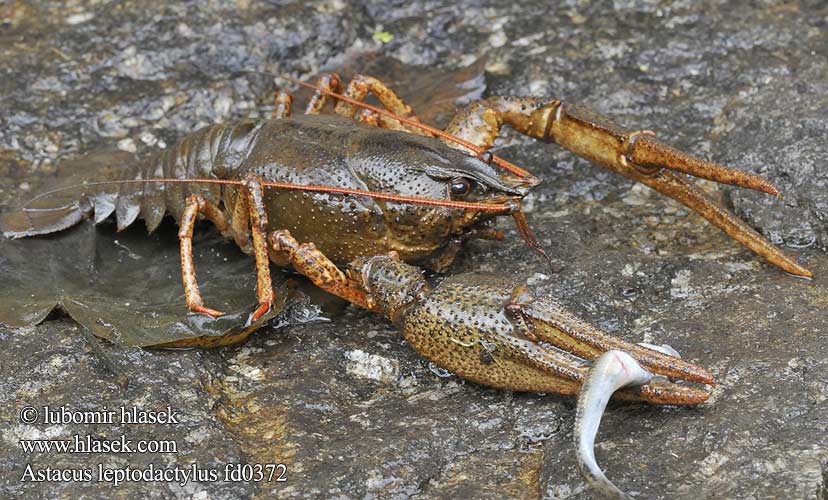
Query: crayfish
[[391, 195]]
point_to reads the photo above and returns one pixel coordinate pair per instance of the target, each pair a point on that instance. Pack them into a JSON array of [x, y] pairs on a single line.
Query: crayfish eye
[[460, 186]]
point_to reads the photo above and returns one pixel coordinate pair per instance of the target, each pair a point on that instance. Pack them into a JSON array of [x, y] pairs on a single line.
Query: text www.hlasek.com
[[88, 444]]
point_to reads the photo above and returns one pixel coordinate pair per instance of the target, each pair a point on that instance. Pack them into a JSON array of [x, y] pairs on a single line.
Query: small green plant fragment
[[382, 36]]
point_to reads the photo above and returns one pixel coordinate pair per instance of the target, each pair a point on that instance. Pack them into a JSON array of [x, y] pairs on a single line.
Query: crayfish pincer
[[493, 331]]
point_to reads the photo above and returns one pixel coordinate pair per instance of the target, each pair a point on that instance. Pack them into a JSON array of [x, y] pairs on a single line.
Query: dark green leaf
[[126, 287]]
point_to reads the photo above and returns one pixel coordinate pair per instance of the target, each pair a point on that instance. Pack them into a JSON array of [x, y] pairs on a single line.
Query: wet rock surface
[[347, 405]]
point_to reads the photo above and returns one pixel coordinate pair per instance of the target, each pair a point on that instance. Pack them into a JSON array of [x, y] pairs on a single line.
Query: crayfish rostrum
[[357, 207]]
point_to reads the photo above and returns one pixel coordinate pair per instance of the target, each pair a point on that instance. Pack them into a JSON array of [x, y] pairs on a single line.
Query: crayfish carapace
[[317, 192]]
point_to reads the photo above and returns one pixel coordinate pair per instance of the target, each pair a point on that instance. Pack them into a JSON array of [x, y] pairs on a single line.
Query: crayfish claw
[[552, 323], [637, 155], [490, 330], [486, 329]]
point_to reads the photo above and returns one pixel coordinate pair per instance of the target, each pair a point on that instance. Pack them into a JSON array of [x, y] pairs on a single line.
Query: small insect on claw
[[610, 372]]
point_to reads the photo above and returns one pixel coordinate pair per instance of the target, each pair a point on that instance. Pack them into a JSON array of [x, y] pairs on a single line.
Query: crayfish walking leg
[[312, 263], [196, 204], [249, 206], [358, 89]]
